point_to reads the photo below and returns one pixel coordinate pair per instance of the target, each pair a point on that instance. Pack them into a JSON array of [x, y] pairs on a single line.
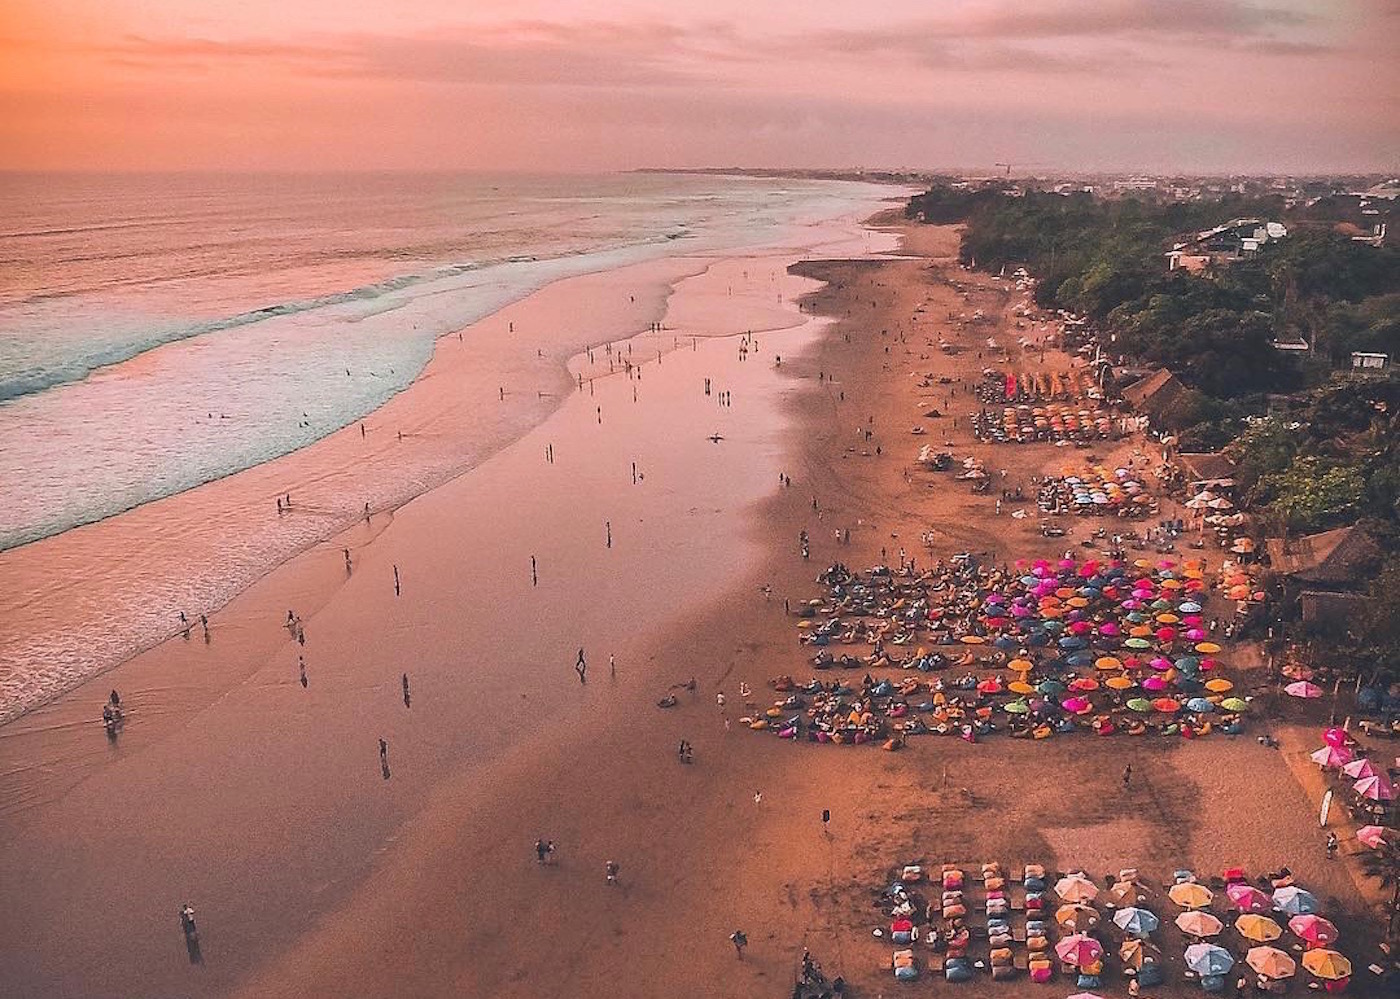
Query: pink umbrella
[[1332, 756], [1360, 768], [1372, 836], [1078, 950], [1165, 634], [1335, 736], [1376, 788], [1108, 629], [1195, 634], [1303, 688], [1247, 898], [1154, 683], [1080, 628], [1076, 705], [1314, 929], [1161, 663]]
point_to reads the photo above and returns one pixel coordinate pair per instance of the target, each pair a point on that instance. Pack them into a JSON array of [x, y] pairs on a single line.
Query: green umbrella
[[1140, 704], [1138, 643], [1234, 704], [1016, 708]]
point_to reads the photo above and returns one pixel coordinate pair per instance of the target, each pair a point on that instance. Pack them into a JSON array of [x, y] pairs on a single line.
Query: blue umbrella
[[1005, 642], [1082, 658], [1050, 687], [1037, 638], [1055, 626], [1199, 705], [1295, 901], [1136, 922], [1071, 643], [1190, 607], [1208, 959]]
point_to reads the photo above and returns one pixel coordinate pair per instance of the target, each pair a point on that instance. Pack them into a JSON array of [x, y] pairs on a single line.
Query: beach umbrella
[[1199, 705], [1077, 950], [1208, 959], [1134, 953], [1076, 888], [1108, 663], [1050, 688], [1219, 685], [1135, 922], [1196, 923], [1020, 687], [1333, 736], [1271, 962], [1331, 756], [1020, 665], [1294, 900], [1314, 929], [1118, 683], [1234, 704], [1084, 684], [1209, 648], [1077, 918], [1154, 683], [1327, 964], [1138, 643], [1304, 689], [1190, 607], [1016, 708], [1360, 768], [1082, 658], [1190, 895], [992, 686], [1372, 836], [972, 640], [1247, 898], [1260, 929], [1376, 788], [1166, 705], [1140, 704]]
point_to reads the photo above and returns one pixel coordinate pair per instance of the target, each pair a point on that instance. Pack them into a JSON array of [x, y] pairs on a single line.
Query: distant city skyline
[[1194, 86]]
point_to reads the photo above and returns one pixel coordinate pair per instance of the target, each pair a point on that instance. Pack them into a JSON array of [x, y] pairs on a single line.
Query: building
[[1334, 560], [1237, 239], [1363, 360], [1156, 395]]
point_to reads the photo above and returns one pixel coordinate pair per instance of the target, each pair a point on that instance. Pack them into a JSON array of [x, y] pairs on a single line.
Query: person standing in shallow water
[[581, 667]]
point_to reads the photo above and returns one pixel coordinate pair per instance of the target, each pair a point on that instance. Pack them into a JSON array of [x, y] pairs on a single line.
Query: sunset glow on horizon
[[1196, 85]]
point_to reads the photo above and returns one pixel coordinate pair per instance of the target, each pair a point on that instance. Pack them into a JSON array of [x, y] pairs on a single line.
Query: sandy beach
[[263, 803]]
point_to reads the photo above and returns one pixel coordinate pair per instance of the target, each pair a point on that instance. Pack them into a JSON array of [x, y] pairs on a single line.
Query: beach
[[262, 802]]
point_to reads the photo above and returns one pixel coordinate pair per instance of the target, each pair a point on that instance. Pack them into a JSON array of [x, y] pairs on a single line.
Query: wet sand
[[314, 876]]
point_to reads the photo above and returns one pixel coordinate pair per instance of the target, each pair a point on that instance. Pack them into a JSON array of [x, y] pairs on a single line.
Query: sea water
[[160, 332]]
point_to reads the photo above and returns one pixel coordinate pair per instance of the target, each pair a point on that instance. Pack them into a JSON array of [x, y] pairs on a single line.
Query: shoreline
[[175, 733], [225, 522]]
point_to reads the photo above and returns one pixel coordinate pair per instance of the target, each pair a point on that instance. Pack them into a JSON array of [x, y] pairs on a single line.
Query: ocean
[[161, 332]]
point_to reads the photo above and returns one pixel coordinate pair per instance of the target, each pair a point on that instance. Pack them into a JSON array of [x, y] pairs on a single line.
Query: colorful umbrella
[[1140, 704], [1363, 767], [1372, 836], [1294, 900], [1166, 705], [1247, 898], [1314, 929], [1076, 888], [1078, 950], [1196, 923], [1271, 962], [1190, 895], [1208, 959], [1332, 756], [1136, 922], [1077, 918], [1303, 688], [1020, 687], [1118, 683], [1327, 964], [1016, 708], [1335, 736], [1234, 704], [1376, 788], [1219, 685], [1260, 929]]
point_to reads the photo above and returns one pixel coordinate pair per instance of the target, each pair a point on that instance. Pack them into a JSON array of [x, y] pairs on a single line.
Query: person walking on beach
[[301, 667], [1331, 846], [540, 851], [612, 665], [581, 667], [740, 940], [719, 699], [384, 758], [1127, 776], [396, 580], [407, 698], [610, 870], [347, 562]]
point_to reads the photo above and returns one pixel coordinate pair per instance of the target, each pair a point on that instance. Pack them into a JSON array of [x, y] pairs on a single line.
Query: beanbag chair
[[1002, 972], [1041, 974], [906, 973], [957, 970]]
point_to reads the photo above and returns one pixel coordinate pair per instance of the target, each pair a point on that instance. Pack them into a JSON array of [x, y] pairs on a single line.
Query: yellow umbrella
[[1258, 928], [1134, 952], [1108, 662], [1171, 584], [1118, 683], [1020, 665], [1140, 631], [1327, 964], [1199, 924], [1219, 685], [1166, 618], [1020, 687], [1209, 648], [1078, 601], [972, 639], [1190, 895]]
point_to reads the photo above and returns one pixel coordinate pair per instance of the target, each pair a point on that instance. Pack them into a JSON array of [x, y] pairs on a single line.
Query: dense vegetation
[[1327, 454]]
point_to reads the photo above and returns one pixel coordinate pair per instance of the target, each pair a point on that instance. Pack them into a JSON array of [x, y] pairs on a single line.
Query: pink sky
[[1261, 86]]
